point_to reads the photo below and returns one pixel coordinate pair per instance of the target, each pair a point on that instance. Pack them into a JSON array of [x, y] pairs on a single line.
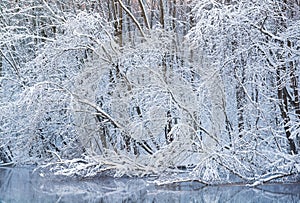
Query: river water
[[22, 185]]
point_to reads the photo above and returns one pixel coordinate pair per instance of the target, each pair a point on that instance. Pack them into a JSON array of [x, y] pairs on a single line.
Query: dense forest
[[203, 90]]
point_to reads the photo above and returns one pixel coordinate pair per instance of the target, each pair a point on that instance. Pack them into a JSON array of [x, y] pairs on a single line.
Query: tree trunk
[[283, 105], [285, 100], [144, 14], [174, 16], [240, 96], [117, 18], [162, 15]]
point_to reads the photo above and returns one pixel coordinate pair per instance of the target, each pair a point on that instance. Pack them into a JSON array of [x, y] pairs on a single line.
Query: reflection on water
[[21, 185]]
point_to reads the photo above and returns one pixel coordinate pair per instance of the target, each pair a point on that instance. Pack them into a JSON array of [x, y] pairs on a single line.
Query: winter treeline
[[204, 90]]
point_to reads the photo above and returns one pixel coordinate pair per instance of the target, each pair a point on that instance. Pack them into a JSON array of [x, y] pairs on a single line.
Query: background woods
[[141, 87]]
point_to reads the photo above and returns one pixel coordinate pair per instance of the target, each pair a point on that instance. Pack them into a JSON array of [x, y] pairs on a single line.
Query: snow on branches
[[207, 91]]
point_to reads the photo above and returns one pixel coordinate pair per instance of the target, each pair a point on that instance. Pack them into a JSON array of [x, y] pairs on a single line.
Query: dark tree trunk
[[283, 105]]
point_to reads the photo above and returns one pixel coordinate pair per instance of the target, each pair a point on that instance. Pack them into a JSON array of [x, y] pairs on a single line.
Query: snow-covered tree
[[249, 45], [206, 88]]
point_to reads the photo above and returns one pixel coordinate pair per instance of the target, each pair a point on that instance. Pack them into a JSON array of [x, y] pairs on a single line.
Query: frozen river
[[21, 185]]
